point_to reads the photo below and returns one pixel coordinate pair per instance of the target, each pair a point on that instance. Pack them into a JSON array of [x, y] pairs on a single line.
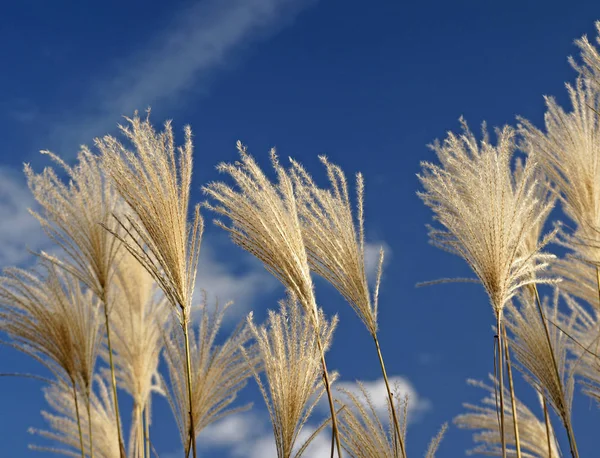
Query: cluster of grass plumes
[[117, 295]]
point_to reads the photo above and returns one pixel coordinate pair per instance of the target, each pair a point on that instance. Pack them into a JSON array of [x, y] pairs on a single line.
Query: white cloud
[[19, 231], [233, 429], [372, 257], [199, 40], [247, 435], [244, 285], [400, 386]]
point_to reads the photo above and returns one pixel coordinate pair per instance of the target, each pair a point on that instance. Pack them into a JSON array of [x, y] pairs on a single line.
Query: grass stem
[[501, 383], [113, 379], [512, 393], [390, 397], [78, 418], [566, 421], [189, 386], [334, 425]]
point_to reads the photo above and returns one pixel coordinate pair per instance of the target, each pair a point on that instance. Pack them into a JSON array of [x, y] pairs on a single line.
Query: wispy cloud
[[198, 41], [18, 229], [249, 435], [372, 257], [225, 278], [401, 387]]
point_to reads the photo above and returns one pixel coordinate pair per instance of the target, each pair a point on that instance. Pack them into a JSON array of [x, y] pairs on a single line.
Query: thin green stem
[[189, 386], [390, 397], [512, 393]]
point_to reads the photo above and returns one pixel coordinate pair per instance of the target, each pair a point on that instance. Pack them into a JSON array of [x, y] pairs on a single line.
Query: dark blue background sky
[[367, 83]]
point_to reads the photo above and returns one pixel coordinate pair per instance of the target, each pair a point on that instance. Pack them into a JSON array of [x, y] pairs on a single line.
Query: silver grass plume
[[486, 211], [484, 419], [265, 222], [137, 320], [364, 435], [63, 423], [155, 182], [291, 361], [334, 241], [569, 153], [335, 244], [53, 320], [590, 56], [544, 361], [582, 326], [72, 215], [218, 373]]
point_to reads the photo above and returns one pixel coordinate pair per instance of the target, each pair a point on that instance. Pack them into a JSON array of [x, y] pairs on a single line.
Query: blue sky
[[369, 86]]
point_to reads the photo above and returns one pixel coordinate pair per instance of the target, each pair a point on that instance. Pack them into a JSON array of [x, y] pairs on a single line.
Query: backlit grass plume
[[73, 216], [335, 243], [51, 319], [568, 150], [63, 423], [486, 212], [264, 221], [155, 182], [291, 360], [218, 372], [583, 327], [590, 56], [364, 435], [535, 434], [138, 320], [541, 350]]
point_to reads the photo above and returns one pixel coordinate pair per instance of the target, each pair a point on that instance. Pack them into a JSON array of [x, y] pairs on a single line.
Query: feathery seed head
[[72, 215], [52, 320], [484, 419], [334, 240], [536, 357], [264, 222], [63, 423], [137, 322], [218, 372], [569, 153], [486, 211], [155, 182], [288, 349]]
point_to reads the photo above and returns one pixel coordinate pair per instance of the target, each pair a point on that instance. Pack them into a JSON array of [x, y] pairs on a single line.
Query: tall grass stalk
[[547, 422], [147, 430], [512, 394], [78, 418], [334, 422], [113, 379], [90, 434], [567, 422], [188, 368], [398, 434], [500, 376]]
